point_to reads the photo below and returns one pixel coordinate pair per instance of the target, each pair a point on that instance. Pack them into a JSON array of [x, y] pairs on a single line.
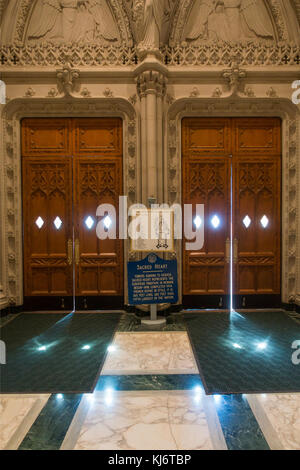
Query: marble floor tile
[[279, 417], [17, 414], [144, 421], [150, 353]]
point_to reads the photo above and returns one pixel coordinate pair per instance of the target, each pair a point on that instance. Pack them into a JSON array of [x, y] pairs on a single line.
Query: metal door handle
[[70, 252], [77, 252], [228, 251], [235, 250]]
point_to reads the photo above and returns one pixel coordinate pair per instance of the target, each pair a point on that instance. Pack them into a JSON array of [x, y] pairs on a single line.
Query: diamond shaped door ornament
[[89, 222], [57, 223], [39, 222], [247, 221], [265, 221], [215, 221]]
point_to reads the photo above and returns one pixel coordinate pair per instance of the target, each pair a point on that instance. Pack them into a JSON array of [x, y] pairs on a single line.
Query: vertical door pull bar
[[70, 252], [235, 250], [227, 251], [77, 255]]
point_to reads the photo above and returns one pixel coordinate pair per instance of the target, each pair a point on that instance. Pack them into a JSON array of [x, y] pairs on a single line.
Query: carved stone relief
[[228, 21], [72, 21], [198, 21], [64, 15]]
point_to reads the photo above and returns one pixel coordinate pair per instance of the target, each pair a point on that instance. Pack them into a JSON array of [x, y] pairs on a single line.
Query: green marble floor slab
[[148, 382], [239, 426], [245, 353], [49, 353], [51, 426]]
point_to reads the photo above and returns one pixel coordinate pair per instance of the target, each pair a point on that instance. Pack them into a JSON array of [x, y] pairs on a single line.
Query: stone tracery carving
[[220, 54]]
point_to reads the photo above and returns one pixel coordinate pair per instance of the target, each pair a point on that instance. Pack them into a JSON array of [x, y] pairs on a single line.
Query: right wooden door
[[233, 167], [98, 179], [257, 211]]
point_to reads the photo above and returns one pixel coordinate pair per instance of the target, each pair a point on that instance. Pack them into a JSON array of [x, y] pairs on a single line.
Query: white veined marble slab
[[279, 418], [17, 414], [150, 353], [145, 421]]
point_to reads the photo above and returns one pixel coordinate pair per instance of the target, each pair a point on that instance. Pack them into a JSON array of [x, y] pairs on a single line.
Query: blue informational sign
[[152, 281]]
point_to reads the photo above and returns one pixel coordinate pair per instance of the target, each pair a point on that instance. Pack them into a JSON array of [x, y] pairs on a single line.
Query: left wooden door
[[47, 214], [71, 166]]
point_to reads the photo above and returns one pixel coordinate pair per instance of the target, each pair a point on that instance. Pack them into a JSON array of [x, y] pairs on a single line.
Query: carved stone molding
[[67, 80], [221, 54], [252, 107], [234, 78], [151, 81], [12, 113], [53, 55]]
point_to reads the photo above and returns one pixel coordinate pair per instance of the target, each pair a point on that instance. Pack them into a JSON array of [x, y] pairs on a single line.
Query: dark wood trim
[[47, 303], [99, 302]]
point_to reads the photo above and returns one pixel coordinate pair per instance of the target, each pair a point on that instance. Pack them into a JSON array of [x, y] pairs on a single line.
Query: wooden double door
[[233, 167], [70, 167]]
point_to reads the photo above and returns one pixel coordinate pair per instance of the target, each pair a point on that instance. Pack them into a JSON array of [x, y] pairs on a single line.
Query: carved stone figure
[[72, 21], [228, 20], [154, 12], [2, 92]]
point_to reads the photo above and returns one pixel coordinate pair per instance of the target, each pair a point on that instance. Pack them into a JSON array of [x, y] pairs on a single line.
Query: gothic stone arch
[[10, 170], [248, 107]]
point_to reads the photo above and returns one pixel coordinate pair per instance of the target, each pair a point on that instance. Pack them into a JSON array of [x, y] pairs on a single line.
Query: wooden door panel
[[207, 136], [206, 181], [100, 266], [98, 137], [47, 197], [45, 137], [256, 136], [258, 196]]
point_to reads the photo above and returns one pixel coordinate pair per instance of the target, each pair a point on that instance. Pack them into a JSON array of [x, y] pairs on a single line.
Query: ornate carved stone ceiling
[[261, 29]]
